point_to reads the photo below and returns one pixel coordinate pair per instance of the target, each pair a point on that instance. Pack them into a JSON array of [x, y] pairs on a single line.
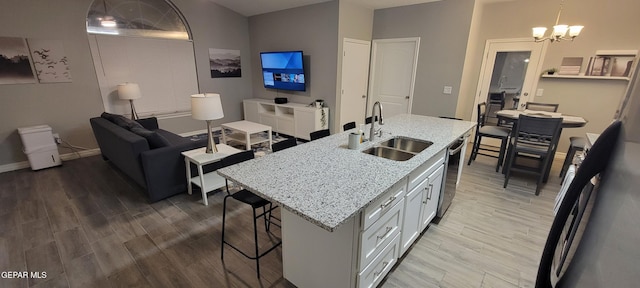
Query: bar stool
[[577, 144], [256, 202]]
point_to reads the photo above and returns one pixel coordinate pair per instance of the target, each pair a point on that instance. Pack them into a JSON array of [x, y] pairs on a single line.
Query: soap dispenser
[[361, 132]]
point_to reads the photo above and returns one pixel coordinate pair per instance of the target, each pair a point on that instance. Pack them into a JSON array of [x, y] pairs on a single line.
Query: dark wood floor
[[86, 225]]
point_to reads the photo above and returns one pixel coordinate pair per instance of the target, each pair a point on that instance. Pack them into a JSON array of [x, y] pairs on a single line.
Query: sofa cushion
[[154, 139], [121, 121]]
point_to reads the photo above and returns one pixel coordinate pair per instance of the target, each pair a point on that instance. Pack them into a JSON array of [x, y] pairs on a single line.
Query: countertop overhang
[[326, 183]]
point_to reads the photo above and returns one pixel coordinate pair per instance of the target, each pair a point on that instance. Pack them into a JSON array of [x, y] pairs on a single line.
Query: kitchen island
[[345, 213]]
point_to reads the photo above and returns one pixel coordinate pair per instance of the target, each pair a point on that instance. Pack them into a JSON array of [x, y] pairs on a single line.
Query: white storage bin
[[39, 146]]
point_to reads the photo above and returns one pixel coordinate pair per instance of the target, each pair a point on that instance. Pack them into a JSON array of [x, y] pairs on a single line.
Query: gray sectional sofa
[[150, 156]]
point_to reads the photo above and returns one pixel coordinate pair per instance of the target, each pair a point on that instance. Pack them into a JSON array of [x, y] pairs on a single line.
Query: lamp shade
[[575, 30], [206, 106], [129, 91], [538, 32]]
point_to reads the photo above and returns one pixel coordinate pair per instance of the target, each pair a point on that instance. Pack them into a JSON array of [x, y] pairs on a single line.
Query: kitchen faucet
[[373, 131]]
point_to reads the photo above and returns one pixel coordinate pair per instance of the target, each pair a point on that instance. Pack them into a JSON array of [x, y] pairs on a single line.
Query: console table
[[293, 119]]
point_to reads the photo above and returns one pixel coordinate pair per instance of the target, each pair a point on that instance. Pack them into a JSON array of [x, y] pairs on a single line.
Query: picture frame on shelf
[[621, 66]]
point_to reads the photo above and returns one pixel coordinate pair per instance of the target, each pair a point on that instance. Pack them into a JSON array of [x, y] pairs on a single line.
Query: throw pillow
[[154, 139], [121, 121]]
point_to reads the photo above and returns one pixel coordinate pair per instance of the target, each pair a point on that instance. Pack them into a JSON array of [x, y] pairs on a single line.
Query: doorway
[[510, 71], [355, 78], [393, 73]]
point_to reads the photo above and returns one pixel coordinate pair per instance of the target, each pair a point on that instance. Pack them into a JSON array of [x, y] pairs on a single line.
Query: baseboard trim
[[63, 157]]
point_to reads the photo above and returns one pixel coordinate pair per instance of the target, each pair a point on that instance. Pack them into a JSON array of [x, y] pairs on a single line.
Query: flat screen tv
[[283, 70]]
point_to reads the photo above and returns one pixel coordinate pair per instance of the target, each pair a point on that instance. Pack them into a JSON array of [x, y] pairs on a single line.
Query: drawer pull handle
[[385, 233], [430, 191], [385, 204], [384, 266]]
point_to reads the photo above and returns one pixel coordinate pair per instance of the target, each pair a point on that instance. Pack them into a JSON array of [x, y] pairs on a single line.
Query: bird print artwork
[[50, 62]]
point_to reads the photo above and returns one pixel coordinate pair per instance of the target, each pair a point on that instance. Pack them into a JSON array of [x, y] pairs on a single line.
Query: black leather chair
[[284, 144], [348, 126], [548, 107], [534, 138], [256, 202], [315, 135], [482, 130], [576, 144]]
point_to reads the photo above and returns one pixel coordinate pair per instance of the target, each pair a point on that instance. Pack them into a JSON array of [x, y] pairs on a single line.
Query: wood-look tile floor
[[87, 225]]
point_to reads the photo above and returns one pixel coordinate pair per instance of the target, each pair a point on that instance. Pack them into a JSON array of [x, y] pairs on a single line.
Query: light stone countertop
[[326, 183]]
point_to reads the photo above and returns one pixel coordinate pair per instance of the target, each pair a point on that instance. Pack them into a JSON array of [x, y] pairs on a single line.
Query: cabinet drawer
[[421, 173], [380, 234], [381, 265], [376, 209]]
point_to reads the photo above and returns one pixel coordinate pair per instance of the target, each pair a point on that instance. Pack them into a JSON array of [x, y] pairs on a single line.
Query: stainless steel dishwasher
[[451, 176]]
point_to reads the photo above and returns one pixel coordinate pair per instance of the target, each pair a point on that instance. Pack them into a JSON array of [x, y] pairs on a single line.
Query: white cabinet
[[418, 185], [411, 225], [293, 119], [430, 197]]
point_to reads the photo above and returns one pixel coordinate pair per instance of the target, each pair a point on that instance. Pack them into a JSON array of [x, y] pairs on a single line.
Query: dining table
[[568, 121]]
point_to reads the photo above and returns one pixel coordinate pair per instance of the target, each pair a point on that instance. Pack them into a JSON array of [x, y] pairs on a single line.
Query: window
[[145, 42]]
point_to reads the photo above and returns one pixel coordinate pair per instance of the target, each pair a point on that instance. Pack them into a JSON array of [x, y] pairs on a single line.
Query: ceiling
[[256, 7]]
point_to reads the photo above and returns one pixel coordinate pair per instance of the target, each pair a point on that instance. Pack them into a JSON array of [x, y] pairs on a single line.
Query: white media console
[[293, 119]]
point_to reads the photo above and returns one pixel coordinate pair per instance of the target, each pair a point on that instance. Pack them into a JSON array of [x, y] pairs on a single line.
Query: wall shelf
[[585, 77]]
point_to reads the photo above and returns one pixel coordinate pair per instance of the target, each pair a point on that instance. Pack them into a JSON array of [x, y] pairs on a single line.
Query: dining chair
[[495, 104], [482, 130], [315, 135], [284, 144], [537, 106], [575, 144], [349, 126], [534, 138], [256, 202]]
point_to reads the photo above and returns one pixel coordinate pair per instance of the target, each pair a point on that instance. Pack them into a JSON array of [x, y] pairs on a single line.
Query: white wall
[[443, 28], [312, 29]]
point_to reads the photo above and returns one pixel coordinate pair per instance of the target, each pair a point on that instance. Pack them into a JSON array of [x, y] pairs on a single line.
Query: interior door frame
[[372, 68], [481, 94]]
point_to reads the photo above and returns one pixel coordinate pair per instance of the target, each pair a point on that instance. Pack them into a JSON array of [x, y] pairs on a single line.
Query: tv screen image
[[283, 70]]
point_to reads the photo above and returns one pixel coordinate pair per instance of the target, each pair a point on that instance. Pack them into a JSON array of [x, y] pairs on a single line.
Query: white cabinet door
[[430, 197], [411, 224], [305, 122]]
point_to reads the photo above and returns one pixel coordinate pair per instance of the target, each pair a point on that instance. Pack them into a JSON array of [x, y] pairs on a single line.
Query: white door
[[512, 66], [355, 76], [393, 73]]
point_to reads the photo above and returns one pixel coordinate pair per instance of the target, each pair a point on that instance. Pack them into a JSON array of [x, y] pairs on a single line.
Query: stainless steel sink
[[389, 153], [406, 144]]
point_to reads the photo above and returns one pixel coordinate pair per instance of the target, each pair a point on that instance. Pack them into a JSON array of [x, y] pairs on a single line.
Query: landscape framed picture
[[15, 64], [224, 63]]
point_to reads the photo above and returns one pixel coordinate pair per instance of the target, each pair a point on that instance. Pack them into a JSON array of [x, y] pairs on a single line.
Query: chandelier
[[559, 30]]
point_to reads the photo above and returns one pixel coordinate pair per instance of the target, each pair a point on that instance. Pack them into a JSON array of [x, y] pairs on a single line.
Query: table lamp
[[130, 91], [207, 107]]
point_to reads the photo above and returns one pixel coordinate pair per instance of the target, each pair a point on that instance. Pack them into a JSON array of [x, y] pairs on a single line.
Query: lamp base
[[134, 115], [211, 144]]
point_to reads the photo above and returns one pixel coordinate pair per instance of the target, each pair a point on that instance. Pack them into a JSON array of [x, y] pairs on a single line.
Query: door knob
[[406, 97], [526, 93]]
